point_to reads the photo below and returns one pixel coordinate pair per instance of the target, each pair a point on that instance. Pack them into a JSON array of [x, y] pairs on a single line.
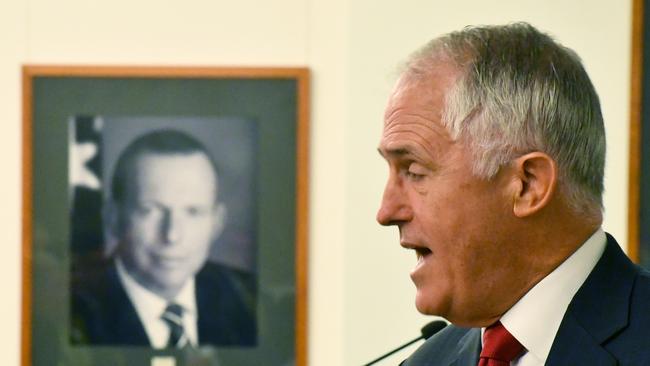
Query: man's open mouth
[[421, 252]]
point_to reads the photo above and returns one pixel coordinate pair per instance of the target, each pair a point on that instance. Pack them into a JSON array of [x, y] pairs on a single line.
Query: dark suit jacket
[[606, 323], [102, 314]]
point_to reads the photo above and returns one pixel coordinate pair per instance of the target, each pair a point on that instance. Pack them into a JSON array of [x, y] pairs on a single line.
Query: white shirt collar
[[535, 319], [149, 307]]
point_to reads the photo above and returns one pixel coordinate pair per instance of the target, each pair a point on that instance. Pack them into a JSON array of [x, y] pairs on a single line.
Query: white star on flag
[[80, 174]]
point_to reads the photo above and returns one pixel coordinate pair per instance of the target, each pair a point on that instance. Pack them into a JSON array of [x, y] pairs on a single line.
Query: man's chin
[[166, 285], [428, 305]]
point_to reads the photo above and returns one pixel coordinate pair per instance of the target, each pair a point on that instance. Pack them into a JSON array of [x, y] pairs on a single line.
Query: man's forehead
[[171, 167], [171, 154], [425, 92], [198, 157], [414, 116]]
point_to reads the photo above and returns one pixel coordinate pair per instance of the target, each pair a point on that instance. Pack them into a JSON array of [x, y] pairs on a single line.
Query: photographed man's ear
[[536, 177], [219, 214]]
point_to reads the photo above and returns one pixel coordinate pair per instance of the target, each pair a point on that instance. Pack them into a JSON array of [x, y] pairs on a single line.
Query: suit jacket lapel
[[123, 319], [469, 349], [453, 346], [598, 310], [575, 346]]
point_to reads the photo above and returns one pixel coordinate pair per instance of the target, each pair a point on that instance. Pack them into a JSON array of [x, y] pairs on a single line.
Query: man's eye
[[196, 211], [413, 176], [415, 171], [146, 210]]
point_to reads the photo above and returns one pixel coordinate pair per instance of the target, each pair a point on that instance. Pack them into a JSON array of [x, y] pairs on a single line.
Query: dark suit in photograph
[[606, 323], [102, 313]]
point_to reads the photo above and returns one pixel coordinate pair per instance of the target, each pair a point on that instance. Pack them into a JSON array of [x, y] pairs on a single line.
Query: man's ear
[[536, 176], [218, 219]]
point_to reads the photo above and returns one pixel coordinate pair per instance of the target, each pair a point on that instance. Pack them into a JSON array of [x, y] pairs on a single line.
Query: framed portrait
[[639, 168], [164, 216]]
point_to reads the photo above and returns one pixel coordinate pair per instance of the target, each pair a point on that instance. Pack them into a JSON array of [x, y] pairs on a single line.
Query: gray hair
[[520, 91]]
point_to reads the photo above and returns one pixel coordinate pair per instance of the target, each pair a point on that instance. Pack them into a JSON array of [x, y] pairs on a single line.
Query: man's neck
[[168, 293], [545, 251]]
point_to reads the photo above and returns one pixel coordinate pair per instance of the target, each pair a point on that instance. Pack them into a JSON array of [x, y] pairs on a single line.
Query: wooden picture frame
[[274, 101], [639, 166]]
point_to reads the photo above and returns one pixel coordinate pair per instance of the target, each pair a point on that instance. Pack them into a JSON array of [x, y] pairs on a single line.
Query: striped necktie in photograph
[[173, 316]]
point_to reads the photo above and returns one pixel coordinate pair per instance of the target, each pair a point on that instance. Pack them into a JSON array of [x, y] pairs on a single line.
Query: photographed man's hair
[[520, 91], [159, 142]]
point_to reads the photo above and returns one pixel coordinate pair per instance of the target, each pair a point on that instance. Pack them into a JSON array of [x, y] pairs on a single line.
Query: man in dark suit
[[496, 148], [158, 289]]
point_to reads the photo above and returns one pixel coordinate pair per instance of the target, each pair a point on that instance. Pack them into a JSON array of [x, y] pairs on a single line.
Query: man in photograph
[[158, 288], [495, 145]]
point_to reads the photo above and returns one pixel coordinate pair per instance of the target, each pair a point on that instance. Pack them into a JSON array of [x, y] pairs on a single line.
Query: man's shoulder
[[445, 347], [226, 300], [635, 338], [643, 281], [94, 278], [101, 312], [212, 269], [642, 286], [217, 282], [608, 319], [96, 290], [221, 277], [621, 280], [640, 300]]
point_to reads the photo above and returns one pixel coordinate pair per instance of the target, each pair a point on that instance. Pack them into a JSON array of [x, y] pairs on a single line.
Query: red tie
[[499, 346]]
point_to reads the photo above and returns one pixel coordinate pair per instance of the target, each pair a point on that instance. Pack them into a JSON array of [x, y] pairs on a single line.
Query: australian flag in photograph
[[85, 185]]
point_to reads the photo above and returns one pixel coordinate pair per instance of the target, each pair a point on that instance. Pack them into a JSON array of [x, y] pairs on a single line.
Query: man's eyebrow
[[397, 152]]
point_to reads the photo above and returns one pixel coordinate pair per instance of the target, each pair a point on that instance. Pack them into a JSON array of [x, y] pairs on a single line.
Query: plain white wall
[[12, 38], [361, 299]]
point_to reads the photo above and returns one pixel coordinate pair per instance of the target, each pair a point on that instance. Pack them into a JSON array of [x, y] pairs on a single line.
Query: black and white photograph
[[163, 231]]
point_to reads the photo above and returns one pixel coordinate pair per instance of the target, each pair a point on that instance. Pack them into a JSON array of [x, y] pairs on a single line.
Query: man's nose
[[395, 207], [172, 228]]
